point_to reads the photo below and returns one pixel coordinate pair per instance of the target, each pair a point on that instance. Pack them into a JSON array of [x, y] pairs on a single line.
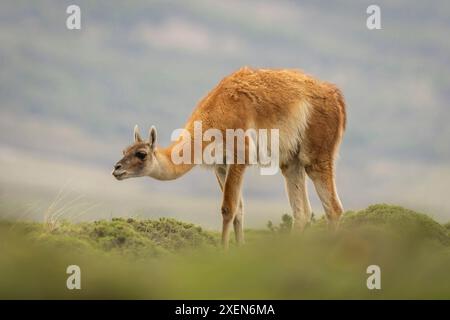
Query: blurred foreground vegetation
[[145, 259]]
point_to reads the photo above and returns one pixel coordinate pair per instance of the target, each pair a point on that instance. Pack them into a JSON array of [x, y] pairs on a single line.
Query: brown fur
[[310, 115]]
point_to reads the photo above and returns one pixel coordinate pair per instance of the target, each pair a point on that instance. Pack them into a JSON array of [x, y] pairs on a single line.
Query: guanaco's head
[[139, 158]]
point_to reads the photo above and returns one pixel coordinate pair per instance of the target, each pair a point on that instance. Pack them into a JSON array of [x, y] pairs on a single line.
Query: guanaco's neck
[[164, 168]]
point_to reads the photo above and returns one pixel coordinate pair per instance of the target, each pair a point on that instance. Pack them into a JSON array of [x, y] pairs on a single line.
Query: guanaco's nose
[[117, 166]]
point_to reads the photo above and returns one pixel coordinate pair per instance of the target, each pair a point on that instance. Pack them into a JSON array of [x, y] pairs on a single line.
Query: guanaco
[[310, 116]]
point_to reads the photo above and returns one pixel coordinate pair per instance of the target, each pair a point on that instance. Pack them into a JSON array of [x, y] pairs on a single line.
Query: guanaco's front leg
[[231, 197], [238, 222]]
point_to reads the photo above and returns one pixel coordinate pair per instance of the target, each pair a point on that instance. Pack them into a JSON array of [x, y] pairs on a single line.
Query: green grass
[[144, 259], [128, 237]]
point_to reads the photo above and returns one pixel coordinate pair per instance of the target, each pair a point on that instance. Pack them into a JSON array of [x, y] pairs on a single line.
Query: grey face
[[135, 160]]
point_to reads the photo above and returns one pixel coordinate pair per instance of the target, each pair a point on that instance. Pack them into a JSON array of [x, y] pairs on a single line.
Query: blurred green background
[[69, 99], [168, 259]]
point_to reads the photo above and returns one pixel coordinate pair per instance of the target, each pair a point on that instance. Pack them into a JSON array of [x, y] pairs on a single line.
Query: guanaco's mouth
[[119, 174]]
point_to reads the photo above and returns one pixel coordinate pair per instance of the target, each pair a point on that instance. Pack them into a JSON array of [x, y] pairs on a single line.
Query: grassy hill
[[129, 258]]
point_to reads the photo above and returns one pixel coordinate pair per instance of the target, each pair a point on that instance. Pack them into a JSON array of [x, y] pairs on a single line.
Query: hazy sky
[[70, 98]]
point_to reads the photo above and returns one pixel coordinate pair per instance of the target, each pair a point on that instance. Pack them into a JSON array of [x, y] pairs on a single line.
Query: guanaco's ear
[[137, 136], [152, 137]]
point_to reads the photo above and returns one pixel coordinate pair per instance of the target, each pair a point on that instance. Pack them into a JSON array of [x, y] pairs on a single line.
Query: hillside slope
[[170, 259]]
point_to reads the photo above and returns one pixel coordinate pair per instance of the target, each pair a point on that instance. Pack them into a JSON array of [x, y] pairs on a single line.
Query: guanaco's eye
[[141, 155]]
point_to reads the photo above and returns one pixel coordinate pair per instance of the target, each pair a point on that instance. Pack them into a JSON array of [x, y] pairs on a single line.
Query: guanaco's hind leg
[[324, 181], [294, 174], [238, 222], [231, 198]]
